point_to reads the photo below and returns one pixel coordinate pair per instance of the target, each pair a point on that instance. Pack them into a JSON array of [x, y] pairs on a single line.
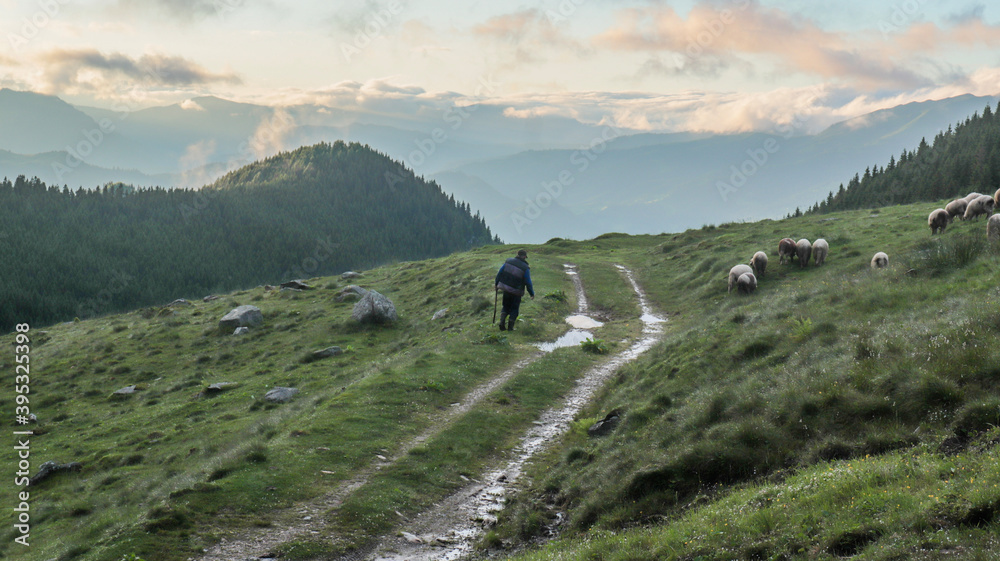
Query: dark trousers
[[511, 306]]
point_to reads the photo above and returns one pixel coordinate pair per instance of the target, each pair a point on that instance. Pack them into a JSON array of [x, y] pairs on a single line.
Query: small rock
[[280, 395], [606, 425], [180, 302], [410, 538], [49, 468], [242, 316], [127, 390], [350, 292], [328, 352], [269, 288], [296, 285], [439, 314], [220, 386], [351, 275], [241, 330], [210, 297]]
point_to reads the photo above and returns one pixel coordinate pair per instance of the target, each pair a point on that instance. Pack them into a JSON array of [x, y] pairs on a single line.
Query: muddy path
[[449, 530], [307, 519]]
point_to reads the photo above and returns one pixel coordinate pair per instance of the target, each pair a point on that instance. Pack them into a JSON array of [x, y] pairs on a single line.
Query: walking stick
[[496, 294]]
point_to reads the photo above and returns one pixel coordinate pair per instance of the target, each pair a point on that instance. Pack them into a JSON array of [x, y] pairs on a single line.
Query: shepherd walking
[[514, 276]]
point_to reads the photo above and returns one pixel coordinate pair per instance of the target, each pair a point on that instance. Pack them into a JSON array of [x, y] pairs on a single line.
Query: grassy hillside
[[837, 411]]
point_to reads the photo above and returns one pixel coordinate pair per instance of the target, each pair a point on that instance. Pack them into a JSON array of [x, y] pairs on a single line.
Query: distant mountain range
[[530, 178]]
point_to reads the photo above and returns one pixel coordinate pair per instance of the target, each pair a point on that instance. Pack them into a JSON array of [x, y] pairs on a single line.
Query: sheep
[[978, 207], [880, 260], [993, 228], [746, 284], [759, 263], [820, 250], [803, 249], [996, 199], [938, 221], [972, 196], [735, 272], [786, 250], [956, 208]]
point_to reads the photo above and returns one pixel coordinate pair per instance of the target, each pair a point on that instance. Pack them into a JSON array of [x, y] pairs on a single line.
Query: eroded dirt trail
[[448, 531], [308, 518]]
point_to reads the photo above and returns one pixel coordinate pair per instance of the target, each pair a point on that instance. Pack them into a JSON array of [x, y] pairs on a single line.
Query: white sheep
[[746, 284], [803, 249], [979, 207], [786, 250], [759, 263], [880, 260], [820, 250], [938, 220], [735, 272], [956, 208], [993, 228], [996, 199]]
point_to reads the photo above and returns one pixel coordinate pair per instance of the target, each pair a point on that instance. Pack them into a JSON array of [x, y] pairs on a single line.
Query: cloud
[[526, 37], [184, 10], [713, 37], [88, 70], [191, 105]]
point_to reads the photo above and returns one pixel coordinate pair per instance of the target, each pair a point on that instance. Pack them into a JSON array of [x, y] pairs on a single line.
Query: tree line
[[961, 159], [318, 210]]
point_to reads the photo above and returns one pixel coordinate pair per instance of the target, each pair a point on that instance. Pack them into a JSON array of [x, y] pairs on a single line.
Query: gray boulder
[[439, 314], [280, 394], [374, 308], [50, 468], [242, 316], [241, 330], [328, 352], [127, 390], [351, 275], [351, 292]]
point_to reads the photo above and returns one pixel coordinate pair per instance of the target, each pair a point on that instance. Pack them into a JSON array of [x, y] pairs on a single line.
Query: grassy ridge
[[820, 366]]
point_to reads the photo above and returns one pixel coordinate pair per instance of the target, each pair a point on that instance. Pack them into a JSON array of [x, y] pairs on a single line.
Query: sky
[[716, 66]]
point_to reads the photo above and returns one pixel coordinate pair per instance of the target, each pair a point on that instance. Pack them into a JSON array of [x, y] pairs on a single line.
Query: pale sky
[[656, 65]]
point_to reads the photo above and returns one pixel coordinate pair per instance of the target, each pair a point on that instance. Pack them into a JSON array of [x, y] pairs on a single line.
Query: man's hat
[[522, 254]]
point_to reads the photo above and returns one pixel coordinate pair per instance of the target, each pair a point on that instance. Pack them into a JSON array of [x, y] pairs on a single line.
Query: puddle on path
[[448, 531], [579, 321]]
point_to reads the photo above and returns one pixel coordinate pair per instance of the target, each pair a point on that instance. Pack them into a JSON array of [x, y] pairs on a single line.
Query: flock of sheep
[[744, 277], [970, 207]]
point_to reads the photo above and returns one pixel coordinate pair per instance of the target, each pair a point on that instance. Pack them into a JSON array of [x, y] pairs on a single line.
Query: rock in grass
[[180, 302], [280, 394], [327, 352], [604, 426], [220, 386], [374, 308], [241, 330], [49, 468], [242, 316], [351, 275], [439, 314], [127, 390], [296, 285]]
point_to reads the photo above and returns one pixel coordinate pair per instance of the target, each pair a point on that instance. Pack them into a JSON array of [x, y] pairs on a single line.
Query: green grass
[[829, 385]]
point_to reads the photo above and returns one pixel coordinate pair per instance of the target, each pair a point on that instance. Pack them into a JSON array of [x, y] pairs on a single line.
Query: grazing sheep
[[880, 261], [938, 221], [803, 249], [759, 263], [956, 208], [820, 250], [735, 272], [972, 196], [979, 207], [993, 228], [786, 250], [746, 284], [996, 199]]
